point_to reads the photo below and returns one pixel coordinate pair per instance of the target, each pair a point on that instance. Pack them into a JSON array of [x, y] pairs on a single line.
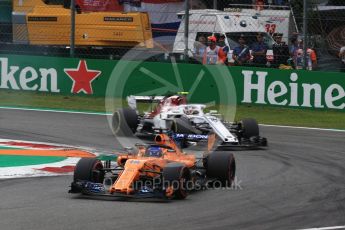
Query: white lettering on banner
[[24, 79], [272, 95], [249, 86], [53, 80], [316, 88], [294, 90], [330, 98], [8, 77], [312, 94], [26, 76]]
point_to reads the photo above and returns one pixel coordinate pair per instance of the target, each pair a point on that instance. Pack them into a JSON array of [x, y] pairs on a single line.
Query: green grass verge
[[12, 161], [294, 117], [51, 101], [264, 114]]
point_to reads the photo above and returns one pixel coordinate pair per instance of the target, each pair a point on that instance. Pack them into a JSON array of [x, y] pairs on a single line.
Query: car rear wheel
[[125, 122], [222, 167]]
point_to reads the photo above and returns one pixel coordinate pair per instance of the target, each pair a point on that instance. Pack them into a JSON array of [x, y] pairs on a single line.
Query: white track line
[[56, 145], [325, 228], [109, 114], [53, 111], [308, 128]]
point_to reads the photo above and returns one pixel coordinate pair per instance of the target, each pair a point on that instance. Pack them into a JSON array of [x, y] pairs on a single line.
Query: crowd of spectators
[[213, 50], [297, 55], [261, 3]]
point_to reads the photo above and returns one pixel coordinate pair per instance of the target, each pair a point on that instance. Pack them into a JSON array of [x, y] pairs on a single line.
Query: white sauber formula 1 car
[[187, 121]]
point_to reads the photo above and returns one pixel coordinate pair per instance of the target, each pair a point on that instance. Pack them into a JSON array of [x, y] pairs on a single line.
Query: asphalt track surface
[[298, 182]]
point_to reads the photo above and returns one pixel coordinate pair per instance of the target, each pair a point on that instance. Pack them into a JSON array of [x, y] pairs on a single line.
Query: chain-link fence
[[5, 21], [248, 33], [326, 33], [266, 33]]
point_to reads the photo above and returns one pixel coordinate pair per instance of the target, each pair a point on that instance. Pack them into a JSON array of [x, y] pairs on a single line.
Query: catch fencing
[[308, 34]]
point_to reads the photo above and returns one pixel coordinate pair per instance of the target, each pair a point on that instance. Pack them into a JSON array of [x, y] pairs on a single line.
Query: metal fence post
[[72, 43], [305, 32], [215, 4], [186, 29]]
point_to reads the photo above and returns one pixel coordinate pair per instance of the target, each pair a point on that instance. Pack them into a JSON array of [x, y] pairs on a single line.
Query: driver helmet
[[191, 110], [154, 151]]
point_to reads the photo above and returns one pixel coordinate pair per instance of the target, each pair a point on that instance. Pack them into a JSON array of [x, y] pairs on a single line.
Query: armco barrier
[[289, 88]]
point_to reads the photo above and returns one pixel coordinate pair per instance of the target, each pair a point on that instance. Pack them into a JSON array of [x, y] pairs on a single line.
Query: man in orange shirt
[[313, 59], [311, 55], [213, 54]]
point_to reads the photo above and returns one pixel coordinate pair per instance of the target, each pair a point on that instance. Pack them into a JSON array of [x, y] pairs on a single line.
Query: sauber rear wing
[[132, 100]]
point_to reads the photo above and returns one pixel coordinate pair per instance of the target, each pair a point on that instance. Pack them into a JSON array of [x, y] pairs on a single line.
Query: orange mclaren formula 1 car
[[160, 170]]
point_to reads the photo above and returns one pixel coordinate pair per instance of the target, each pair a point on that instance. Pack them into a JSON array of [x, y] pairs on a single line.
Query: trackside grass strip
[[331, 119]]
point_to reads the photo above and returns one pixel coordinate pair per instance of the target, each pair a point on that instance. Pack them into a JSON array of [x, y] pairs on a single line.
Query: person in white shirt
[[199, 48]]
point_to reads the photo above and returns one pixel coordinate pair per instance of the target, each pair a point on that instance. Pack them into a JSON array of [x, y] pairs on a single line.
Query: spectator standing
[[199, 48], [311, 57], [223, 46], [259, 4], [280, 51], [342, 58], [241, 53], [259, 50], [213, 53], [298, 59], [293, 47]]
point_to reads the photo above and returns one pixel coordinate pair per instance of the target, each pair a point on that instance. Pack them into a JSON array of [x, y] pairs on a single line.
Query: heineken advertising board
[[288, 88]]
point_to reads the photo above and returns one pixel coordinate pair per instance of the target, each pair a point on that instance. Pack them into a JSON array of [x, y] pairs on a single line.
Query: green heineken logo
[[66, 76]]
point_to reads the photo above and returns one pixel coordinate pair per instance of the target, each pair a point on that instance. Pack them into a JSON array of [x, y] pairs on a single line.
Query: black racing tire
[[89, 169], [183, 125], [125, 122], [178, 176], [221, 166], [250, 128]]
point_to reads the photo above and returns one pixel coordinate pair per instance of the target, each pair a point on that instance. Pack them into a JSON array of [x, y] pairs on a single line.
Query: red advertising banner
[[99, 5], [116, 5]]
